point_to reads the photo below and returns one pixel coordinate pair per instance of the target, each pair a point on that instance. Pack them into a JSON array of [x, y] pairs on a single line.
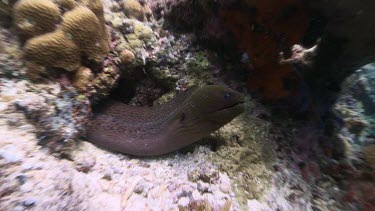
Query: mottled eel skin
[[149, 131]]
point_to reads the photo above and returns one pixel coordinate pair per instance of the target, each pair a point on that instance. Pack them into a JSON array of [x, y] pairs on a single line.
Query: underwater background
[[187, 105]]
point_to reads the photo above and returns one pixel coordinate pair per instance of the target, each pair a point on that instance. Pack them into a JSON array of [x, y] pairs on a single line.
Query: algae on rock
[[245, 155]]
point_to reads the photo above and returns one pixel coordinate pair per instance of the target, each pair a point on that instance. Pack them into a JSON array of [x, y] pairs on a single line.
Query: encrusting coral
[[53, 49], [34, 18]]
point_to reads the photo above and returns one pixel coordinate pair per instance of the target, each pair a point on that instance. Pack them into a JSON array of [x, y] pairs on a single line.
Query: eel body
[[148, 131]]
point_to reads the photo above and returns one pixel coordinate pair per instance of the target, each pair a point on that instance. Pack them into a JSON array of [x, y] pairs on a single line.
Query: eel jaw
[[232, 106], [227, 114]]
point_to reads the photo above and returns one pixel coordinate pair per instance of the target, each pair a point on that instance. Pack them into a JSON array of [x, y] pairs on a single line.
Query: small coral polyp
[[82, 32], [83, 76]]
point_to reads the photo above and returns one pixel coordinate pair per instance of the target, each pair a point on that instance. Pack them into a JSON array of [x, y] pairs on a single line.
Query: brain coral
[[133, 9], [97, 8], [82, 78], [82, 25], [82, 32], [33, 18], [53, 49], [67, 4]]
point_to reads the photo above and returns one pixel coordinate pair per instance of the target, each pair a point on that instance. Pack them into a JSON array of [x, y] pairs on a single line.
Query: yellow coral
[[33, 17], [96, 7], [82, 30], [82, 78], [67, 4], [127, 57], [133, 9], [53, 49], [82, 26]]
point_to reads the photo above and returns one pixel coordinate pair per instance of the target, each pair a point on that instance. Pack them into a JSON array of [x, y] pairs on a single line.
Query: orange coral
[[262, 29]]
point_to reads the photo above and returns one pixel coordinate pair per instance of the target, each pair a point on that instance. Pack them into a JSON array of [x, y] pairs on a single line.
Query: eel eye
[[227, 96]]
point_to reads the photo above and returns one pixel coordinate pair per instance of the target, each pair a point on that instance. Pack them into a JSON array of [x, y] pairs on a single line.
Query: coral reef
[[261, 161]]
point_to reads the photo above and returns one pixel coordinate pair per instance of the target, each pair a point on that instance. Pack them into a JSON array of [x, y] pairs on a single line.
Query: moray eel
[[149, 131]]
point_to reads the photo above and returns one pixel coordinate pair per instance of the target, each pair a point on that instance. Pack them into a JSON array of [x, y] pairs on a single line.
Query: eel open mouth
[[241, 103]]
